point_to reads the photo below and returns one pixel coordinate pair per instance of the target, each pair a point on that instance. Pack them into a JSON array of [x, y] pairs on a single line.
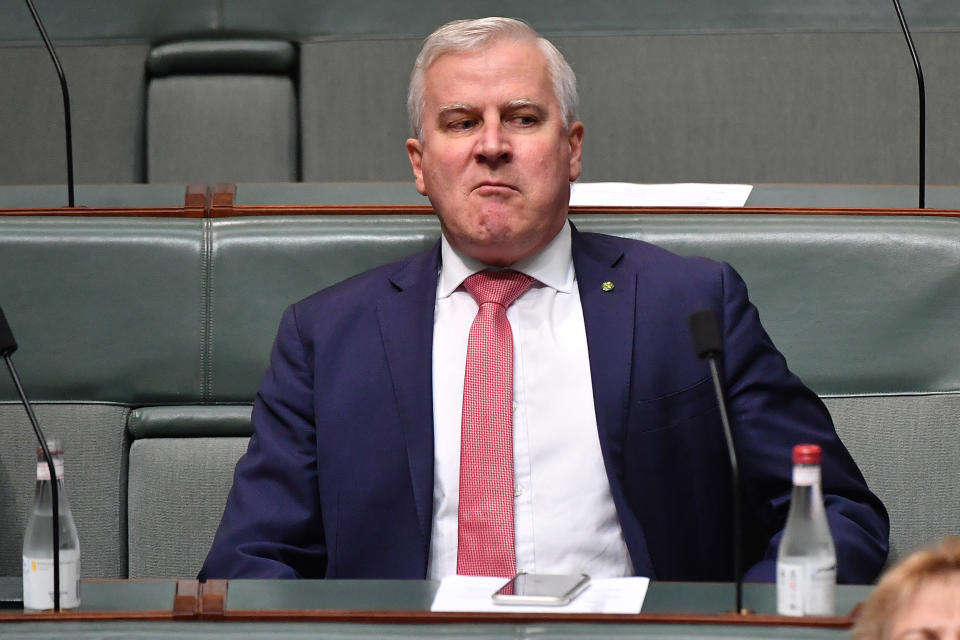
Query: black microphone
[[708, 343], [7, 343], [66, 103], [7, 346], [923, 102]]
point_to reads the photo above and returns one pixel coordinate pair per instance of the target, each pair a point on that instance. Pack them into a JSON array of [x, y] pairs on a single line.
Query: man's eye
[[462, 125], [524, 120]]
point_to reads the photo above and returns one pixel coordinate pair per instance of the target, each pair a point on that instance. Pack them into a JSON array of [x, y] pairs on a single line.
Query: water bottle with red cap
[[806, 560], [38, 541]]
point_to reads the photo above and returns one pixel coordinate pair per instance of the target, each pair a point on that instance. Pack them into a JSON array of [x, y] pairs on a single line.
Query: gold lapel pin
[[606, 286]]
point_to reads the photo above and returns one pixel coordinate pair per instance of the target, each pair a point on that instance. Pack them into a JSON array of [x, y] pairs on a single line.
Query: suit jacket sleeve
[[771, 410], [272, 525]]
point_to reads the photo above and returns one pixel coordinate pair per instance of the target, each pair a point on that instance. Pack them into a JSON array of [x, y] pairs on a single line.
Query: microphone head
[[705, 331], [7, 344]]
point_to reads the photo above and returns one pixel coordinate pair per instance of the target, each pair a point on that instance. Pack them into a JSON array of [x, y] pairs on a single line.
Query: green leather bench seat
[[106, 313], [105, 309], [143, 342], [840, 295]]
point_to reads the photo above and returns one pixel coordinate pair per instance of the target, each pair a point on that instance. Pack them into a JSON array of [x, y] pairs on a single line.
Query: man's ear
[[575, 137], [415, 153]]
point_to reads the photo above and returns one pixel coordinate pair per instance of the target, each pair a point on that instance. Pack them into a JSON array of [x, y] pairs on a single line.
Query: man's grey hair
[[471, 35]]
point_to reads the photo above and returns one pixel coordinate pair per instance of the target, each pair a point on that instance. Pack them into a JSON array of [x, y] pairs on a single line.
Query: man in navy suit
[[619, 460]]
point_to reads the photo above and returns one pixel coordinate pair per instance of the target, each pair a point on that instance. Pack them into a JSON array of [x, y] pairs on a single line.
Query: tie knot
[[501, 287]]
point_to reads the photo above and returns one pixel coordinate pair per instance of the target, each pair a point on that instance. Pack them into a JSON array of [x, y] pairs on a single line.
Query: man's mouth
[[493, 187]]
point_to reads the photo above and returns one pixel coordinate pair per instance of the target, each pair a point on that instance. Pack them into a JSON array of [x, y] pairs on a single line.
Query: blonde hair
[[471, 35], [899, 585]]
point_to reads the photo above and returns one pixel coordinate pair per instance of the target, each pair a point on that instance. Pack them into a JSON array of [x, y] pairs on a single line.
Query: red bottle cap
[[806, 454]]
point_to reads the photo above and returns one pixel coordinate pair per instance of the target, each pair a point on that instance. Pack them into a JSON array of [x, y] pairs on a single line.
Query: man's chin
[[498, 249], [496, 212]]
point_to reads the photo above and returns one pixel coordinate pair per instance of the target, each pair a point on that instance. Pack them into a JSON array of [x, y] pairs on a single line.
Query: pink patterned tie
[[485, 519]]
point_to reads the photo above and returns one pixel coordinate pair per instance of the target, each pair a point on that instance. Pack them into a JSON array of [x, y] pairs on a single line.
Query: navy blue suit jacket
[[338, 478]]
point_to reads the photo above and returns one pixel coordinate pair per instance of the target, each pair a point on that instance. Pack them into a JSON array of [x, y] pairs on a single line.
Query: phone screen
[[537, 588]]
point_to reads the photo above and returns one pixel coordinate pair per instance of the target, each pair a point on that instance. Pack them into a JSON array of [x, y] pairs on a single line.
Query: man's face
[[496, 160]]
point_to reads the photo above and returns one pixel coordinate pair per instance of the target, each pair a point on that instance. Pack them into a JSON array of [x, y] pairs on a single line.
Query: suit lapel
[[608, 296], [406, 325], [608, 316]]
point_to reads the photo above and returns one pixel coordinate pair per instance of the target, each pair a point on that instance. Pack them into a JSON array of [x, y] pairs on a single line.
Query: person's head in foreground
[[918, 599], [493, 110]]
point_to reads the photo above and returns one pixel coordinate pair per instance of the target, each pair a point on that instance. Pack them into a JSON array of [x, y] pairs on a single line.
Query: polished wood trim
[[213, 598], [109, 212], [798, 211], [197, 197], [431, 617], [184, 590], [320, 209], [222, 201], [224, 211], [207, 601], [196, 204], [81, 615], [200, 202], [185, 601], [448, 617]]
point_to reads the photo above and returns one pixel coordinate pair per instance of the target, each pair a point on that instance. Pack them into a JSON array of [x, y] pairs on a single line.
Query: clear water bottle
[[807, 560], [38, 542]]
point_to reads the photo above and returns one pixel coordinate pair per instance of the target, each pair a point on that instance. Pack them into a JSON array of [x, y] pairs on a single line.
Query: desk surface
[[762, 195], [362, 631], [349, 608], [404, 193]]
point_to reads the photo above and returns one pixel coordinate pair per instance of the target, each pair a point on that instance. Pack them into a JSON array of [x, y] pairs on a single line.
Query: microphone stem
[[54, 490], [735, 484], [68, 130], [923, 107]]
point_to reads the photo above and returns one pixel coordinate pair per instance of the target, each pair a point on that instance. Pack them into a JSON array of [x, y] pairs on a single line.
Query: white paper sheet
[[629, 194], [604, 595]]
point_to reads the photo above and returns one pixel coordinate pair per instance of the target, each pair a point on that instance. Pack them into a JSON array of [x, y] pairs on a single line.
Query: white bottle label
[[806, 588], [38, 581], [803, 475], [43, 469]]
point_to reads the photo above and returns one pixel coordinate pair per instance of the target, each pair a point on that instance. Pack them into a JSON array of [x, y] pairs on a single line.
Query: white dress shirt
[[564, 517]]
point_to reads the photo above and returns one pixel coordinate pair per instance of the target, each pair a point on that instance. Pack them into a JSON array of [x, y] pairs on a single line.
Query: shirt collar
[[552, 266]]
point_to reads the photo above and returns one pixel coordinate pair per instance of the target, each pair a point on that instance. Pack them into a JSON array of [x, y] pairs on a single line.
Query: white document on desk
[[631, 194], [604, 595]]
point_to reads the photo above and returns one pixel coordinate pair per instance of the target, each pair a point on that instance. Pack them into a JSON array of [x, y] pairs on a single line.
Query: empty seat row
[[753, 91]]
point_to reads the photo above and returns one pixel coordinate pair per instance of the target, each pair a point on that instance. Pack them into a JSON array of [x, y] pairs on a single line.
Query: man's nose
[[493, 145]]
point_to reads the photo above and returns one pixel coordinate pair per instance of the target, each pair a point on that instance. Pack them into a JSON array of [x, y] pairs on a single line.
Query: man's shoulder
[[371, 285], [643, 255]]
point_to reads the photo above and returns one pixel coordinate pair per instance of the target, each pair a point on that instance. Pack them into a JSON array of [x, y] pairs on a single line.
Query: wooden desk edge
[[213, 598], [452, 617], [185, 601], [425, 617], [217, 210], [107, 212], [239, 211], [81, 615]]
